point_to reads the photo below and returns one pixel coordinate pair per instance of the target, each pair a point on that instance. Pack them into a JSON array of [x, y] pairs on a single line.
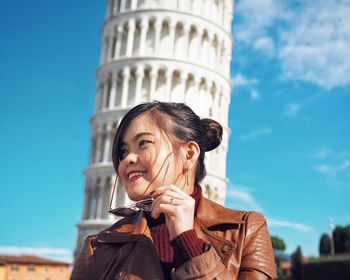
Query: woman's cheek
[[148, 158]]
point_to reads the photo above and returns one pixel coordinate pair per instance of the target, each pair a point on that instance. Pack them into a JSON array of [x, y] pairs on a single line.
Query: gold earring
[[187, 178]]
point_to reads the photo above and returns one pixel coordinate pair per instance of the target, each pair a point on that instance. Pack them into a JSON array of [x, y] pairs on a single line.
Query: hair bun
[[212, 131]]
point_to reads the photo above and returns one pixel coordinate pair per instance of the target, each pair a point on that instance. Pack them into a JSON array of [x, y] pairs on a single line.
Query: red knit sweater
[[182, 248]]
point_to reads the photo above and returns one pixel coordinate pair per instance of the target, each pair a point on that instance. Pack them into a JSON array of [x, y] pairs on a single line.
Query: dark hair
[[176, 119]]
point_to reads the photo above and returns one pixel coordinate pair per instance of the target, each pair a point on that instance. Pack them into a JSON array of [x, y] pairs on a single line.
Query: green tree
[[346, 239], [278, 243], [325, 245], [296, 259], [337, 237], [278, 246]]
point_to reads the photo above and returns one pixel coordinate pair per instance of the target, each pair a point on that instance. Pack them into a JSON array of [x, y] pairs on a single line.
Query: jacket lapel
[[126, 230]]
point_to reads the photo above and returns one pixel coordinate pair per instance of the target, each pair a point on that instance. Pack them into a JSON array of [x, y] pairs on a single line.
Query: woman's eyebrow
[[138, 135]]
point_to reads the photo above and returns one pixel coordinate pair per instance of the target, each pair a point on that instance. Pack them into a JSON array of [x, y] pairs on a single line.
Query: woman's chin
[[137, 196]]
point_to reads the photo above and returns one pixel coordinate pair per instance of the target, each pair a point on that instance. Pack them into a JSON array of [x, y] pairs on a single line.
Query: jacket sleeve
[[84, 266], [206, 266], [257, 261], [257, 257]]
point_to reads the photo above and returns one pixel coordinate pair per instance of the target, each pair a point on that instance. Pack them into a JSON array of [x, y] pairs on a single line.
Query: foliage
[[278, 243], [278, 246], [325, 245], [334, 267], [296, 259], [341, 237]]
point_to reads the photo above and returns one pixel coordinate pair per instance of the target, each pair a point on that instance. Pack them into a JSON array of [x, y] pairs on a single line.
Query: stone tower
[[166, 50]]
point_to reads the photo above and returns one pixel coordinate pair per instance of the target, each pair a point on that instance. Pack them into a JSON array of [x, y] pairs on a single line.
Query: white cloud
[[256, 17], [333, 169], [240, 80], [289, 224], [312, 42], [291, 109], [45, 252], [265, 44], [322, 153], [315, 48], [254, 95], [334, 165], [255, 133], [240, 197]]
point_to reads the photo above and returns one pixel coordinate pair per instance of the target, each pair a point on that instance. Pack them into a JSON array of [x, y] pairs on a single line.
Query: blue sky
[[289, 154]]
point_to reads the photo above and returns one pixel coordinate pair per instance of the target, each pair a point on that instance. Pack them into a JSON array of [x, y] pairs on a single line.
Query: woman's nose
[[131, 158]]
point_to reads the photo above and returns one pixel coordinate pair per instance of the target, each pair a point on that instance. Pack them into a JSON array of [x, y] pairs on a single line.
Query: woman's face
[[146, 154]]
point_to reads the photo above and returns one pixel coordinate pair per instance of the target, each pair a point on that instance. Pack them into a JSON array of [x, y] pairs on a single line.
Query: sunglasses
[[142, 205]]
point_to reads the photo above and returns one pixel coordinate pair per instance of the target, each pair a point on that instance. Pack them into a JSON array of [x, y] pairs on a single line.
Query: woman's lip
[[134, 178], [130, 172]]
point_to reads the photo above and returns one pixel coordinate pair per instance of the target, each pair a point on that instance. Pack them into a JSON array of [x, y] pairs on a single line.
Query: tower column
[[143, 36], [168, 82], [172, 29], [126, 78], [115, 7], [109, 8], [119, 40], [187, 29], [122, 5], [216, 102], [86, 202], [139, 78], [210, 59], [110, 47], [131, 33], [103, 50], [133, 4], [153, 83], [92, 150], [107, 145], [220, 12], [100, 195], [98, 98], [98, 147], [183, 80], [92, 203], [113, 90], [104, 94], [158, 29], [218, 53]]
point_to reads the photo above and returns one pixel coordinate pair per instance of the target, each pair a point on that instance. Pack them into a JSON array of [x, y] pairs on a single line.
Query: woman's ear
[[192, 153]]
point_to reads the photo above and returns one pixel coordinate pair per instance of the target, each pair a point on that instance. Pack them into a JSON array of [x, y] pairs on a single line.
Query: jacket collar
[[210, 213], [127, 229]]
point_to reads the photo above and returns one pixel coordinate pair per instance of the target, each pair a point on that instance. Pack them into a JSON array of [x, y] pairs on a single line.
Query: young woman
[[158, 154]]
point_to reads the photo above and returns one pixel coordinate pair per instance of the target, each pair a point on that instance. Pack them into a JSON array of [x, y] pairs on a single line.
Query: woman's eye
[[144, 142], [123, 153]]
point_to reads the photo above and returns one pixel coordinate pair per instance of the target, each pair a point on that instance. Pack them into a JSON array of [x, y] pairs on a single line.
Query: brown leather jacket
[[238, 247]]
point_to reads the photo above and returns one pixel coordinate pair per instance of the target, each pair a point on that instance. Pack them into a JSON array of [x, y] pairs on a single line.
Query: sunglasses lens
[[123, 212], [145, 205]]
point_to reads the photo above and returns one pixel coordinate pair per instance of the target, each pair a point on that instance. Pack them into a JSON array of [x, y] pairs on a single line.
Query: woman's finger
[[163, 199], [170, 189]]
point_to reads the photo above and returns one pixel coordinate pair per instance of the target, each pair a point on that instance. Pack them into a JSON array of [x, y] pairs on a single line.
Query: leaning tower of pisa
[[166, 50]]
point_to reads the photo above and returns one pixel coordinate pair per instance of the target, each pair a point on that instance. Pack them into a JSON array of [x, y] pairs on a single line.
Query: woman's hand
[[177, 206]]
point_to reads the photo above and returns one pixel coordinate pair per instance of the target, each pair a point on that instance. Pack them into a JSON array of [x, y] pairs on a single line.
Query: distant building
[[178, 51], [32, 268]]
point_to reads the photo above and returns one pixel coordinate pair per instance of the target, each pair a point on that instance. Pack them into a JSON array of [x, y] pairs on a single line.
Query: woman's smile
[[135, 175]]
